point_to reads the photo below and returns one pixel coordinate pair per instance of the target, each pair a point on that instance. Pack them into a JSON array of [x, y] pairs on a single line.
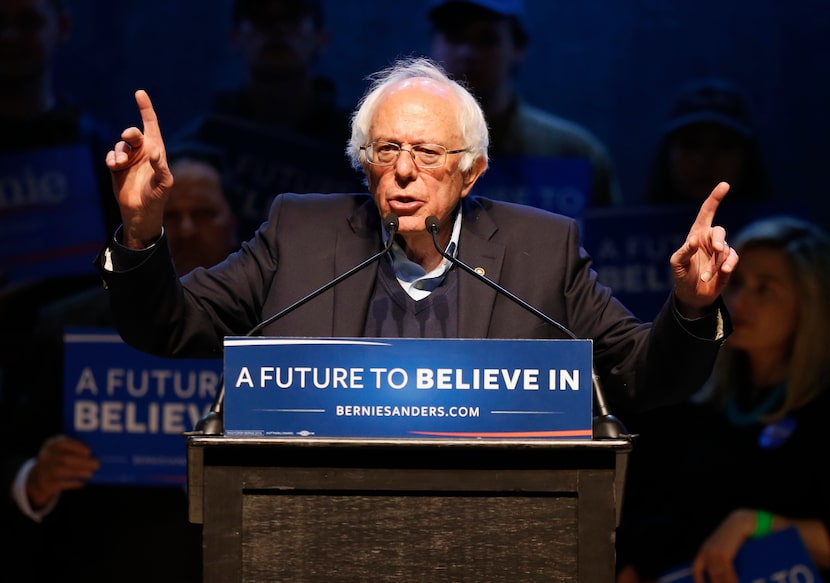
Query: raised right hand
[[140, 177]]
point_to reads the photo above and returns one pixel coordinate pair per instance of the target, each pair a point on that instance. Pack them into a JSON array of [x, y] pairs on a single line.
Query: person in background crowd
[[708, 138], [64, 528], [200, 223], [282, 130], [745, 456], [34, 113], [483, 43], [57, 204]]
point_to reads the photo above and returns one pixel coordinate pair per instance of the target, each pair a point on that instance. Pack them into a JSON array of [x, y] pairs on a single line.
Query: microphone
[[605, 425], [212, 423]]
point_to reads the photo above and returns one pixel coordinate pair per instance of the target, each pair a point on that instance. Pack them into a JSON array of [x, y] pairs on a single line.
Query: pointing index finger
[[148, 115], [706, 215]]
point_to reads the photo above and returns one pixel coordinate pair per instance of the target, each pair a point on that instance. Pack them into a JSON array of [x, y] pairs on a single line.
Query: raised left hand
[[703, 264]]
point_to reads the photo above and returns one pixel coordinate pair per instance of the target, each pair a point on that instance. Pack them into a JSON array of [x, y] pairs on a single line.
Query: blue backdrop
[[611, 65]]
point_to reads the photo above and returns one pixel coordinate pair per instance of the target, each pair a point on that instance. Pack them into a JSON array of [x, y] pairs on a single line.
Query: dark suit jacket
[[311, 239]]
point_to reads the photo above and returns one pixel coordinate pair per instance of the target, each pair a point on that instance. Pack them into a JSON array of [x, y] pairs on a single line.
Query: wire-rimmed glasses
[[423, 155]]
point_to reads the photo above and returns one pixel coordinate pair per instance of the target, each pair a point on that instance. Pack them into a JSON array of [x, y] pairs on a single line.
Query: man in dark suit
[[421, 141]]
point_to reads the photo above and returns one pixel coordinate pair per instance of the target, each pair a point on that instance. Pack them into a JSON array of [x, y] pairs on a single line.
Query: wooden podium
[[383, 510]]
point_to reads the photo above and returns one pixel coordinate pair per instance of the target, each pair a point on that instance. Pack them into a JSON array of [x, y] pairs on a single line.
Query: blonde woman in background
[[747, 456]]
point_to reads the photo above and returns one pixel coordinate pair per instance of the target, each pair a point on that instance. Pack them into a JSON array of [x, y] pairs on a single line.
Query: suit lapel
[[356, 243], [476, 299]]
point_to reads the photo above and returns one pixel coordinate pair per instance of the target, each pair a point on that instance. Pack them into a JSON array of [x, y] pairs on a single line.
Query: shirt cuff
[[708, 327], [118, 257], [22, 500]]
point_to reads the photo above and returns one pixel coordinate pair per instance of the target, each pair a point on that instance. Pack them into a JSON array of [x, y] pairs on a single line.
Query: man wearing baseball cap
[[483, 43]]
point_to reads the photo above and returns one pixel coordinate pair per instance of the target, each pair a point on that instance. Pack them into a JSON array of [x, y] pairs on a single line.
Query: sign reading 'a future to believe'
[[413, 388]]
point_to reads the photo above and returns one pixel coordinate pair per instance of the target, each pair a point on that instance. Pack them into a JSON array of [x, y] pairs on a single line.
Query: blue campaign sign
[[780, 557], [408, 388], [631, 249], [50, 215], [561, 184], [131, 408], [631, 246]]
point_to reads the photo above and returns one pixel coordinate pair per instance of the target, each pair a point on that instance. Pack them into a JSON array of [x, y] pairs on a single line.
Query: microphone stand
[[604, 424], [212, 422]]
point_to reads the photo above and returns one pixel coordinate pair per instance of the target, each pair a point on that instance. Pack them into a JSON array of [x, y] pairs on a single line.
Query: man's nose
[[405, 164], [186, 225]]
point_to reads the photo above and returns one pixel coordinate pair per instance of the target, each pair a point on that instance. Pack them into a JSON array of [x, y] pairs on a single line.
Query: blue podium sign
[[131, 408], [408, 388]]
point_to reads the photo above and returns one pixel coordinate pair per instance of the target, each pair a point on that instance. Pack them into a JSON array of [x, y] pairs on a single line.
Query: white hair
[[471, 120]]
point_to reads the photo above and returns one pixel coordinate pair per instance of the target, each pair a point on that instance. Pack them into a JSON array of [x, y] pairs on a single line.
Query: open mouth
[[404, 204]]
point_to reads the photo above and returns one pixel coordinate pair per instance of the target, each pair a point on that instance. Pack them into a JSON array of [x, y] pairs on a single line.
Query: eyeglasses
[[423, 155]]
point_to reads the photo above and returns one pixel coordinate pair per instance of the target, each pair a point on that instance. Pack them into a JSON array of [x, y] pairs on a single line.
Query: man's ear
[[478, 168]]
